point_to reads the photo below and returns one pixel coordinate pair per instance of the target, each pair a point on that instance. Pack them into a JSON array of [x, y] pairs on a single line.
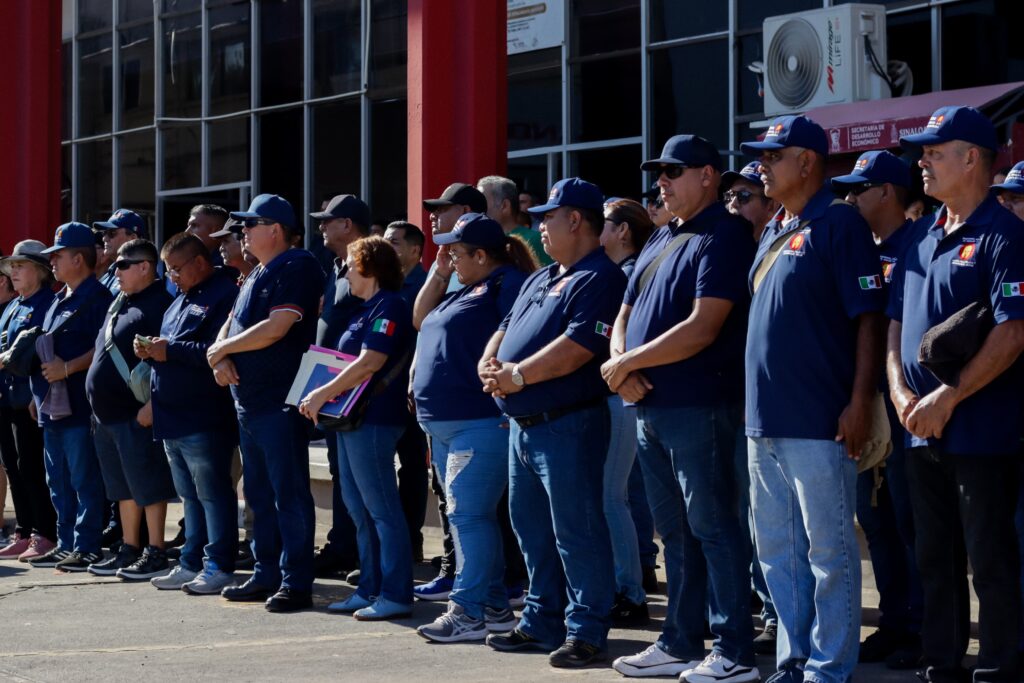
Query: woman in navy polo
[[380, 335], [469, 444], [22, 456], [627, 227]]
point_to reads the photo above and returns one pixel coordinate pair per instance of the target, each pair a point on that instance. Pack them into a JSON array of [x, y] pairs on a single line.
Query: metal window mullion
[[307, 113], [254, 94], [688, 40], [936, 48], [115, 99], [566, 95], [733, 80], [365, 16], [645, 87], [75, 124], [204, 106]]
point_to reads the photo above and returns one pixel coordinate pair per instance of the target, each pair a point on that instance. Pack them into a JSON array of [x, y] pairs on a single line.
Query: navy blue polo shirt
[[186, 398], [293, 282], [452, 340], [983, 260], [628, 265], [21, 314], [383, 324], [891, 251], [339, 305], [581, 304], [71, 341], [111, 399], [713, 263], [110, 281], [453, 282], [802, 334], [412, 284]]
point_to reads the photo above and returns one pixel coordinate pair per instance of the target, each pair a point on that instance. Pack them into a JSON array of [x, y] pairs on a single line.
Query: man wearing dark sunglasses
[[743, 193], [257, 354], [123, 226]]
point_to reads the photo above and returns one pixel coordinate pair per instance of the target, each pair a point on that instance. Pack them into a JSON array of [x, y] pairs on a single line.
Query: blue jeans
[[768, 615], [341, 539], [473, 455], [275, 467], [688, 457], [640, 510], [76, 487], [201, 468], [366, 465], [617, 468], [555, 489], [803, 493]]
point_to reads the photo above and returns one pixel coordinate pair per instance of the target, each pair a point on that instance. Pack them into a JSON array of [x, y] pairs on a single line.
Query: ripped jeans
[[472, 457]]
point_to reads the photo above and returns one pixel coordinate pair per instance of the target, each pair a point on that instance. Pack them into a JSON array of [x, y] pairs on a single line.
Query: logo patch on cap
[[554, 195], [860, 165], [1013, 175], [935, 121], [774, 131]]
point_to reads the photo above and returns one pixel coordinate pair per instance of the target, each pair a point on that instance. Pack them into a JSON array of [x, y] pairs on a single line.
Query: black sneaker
[[125, 557], [179, 538], [78, 562], [111, 537], [152, 562], [245, 559], [907, 656], [51, 558], [328, 563], [650, 582], [574, 654], [626, 613], [764, 643], [516, 641], [352, 578], [880, 644]]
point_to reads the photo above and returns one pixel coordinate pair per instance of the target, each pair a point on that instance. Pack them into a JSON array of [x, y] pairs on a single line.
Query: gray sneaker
[[210, 581], [454, 626], [499, 620], [178, 577]]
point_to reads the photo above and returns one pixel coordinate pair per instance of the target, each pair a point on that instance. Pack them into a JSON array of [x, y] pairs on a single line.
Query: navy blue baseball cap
[[271, 207], [476, 229], [686, 150], [751, 172], [574, 192], [1014, 180], [72, 235], [790, 131], [124, 218], [345, 206], [653, 193], [954, 123], [875, 167]]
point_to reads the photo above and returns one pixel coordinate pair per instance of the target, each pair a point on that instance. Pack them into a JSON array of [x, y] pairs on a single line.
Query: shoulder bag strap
[[773, 251], [108, 340], [677, 242]]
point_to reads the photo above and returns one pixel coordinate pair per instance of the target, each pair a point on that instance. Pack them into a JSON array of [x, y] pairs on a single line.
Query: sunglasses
[[253, 222], [858, 190], [672, 172], [741, 197], [125, 264]]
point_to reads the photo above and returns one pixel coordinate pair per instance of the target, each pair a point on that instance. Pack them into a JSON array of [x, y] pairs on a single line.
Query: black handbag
[[354, 419]]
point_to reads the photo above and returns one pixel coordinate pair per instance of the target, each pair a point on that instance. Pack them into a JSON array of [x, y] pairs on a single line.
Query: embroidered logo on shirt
[[384, 326], [479, 289], [796, 245], [196, 309], [557, 289], [965, 255], [888, 263], [603, 329], [870, 282], [1013, 289]]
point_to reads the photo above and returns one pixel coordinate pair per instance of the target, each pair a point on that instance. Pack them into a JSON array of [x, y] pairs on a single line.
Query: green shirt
[[532, 239]]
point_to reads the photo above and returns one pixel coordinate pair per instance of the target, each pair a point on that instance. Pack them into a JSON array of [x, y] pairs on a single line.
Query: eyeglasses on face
[[253, 222], [741, 197], [126, 263], [672, 171], [858, 190]]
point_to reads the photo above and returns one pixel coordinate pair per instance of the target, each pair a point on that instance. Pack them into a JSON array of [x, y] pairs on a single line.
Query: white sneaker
[[178, 577], [652, 662], [210, 581], [716, 668]]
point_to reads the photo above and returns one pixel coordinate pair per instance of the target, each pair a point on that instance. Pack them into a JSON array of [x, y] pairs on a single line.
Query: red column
[[458, 113], [30, 40]]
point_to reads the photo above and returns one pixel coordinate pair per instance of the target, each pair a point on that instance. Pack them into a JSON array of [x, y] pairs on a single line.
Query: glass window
[[230, 81], [388, 163], [690, 92], [137, 76], [616, 170], [135, 10], [66, 88], [672, 19], [280, 51], [94, 15], [534, 102], [749, 97], [182, 157], [337, 53], [65, 183], [604, 26], [530, 174], [95, 202], [95, 85], [909, 39], [183, 66], [992, 23], [281, 166], [753, 12], [388, 52], [606, 98], [229, 150], [181, 5], [336, 153], [138, 171]]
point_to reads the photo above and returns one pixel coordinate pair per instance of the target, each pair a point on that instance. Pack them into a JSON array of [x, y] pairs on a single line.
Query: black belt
[[527, 421]]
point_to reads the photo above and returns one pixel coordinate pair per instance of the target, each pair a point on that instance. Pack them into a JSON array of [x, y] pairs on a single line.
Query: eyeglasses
[[741, 197], [858, 190], [253, 222], [454, 256], [672, 172], [176, 271], [125, 264]]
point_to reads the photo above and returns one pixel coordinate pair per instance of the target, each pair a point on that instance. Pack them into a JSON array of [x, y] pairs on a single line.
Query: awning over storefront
[[860, 126]]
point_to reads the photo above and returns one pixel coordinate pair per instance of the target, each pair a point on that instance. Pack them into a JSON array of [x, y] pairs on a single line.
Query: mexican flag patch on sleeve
[[1013, 289], [870, 281], [384, 326], [603, 329]]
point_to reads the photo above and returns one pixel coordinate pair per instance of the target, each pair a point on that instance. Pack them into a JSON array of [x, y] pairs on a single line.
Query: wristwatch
[[517, 377]]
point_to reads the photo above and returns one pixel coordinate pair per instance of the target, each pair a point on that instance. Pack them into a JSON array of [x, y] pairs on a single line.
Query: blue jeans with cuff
[[617, 469], [76, 487]]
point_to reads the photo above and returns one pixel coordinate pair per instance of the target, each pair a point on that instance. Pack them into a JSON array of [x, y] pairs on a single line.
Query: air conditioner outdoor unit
[[823, 57]]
